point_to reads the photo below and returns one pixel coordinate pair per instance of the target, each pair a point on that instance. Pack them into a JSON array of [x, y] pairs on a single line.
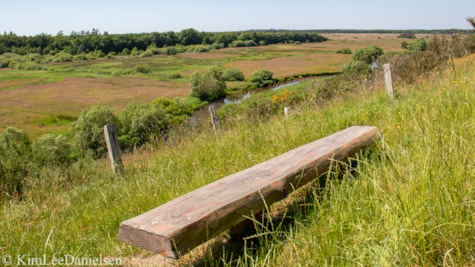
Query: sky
[[31, 17]]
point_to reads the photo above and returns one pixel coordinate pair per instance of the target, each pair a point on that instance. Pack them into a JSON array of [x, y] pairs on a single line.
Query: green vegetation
[[345, 51], [208, 85], [99, 45], [408, 201], [368, 55]]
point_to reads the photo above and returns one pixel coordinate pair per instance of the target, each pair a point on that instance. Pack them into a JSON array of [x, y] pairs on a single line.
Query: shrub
[[135, 51], [80, 57], [3, 62], [233, 75], [15, 155], [125, 52], [262, 78], [177, 110], [142, 122], [368, 55], [111, 55], [146, 54], [31, 66], [198, 48], [169, 50], [88, 130], [62, 57], [174, 76], [345, 51], [52, 150], [208, 85], [356, 68], [142, 68], [407, 35]]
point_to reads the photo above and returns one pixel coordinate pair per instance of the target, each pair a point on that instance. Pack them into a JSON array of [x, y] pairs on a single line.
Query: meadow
[[409, 201], [45, 101]]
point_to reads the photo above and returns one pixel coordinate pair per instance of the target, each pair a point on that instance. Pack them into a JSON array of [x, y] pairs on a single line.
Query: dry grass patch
[[33, 102]]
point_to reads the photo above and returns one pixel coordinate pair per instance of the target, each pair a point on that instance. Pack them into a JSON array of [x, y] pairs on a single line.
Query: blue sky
[[30, 17]]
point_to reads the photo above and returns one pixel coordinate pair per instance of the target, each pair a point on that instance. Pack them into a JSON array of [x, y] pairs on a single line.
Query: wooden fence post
[[112, 141], [388, 80], [214, 117], [286, 111]]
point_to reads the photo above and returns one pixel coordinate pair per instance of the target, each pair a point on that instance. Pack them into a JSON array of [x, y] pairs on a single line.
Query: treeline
[[413, 31], [89, 41]]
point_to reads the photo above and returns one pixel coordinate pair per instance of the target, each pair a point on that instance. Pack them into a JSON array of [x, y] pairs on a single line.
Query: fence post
[[286, 111], [214, 117], [388, 80], [112, 141]]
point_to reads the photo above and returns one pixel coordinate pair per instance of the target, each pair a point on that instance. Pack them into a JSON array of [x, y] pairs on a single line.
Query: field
[[48, 100]]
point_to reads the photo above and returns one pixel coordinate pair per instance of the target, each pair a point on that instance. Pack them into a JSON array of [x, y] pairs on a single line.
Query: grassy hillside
[[408, 202]]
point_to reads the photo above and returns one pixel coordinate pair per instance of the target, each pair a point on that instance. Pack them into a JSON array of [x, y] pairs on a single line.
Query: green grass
[[408, 202]]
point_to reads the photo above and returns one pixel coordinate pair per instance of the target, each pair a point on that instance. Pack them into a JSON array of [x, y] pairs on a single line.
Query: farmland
[[44, 101]]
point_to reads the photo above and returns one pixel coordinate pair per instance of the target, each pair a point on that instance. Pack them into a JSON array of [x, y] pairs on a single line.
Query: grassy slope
[[411, 202]]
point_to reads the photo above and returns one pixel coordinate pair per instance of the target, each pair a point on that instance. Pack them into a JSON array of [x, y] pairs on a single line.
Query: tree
[[208, 85]]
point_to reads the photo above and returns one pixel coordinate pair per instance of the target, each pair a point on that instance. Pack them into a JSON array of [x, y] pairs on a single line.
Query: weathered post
[[112, 141], [388, 80], [214, 117], [286, 111]]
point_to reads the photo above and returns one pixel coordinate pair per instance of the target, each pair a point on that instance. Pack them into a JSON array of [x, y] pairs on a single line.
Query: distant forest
[[92, 41]]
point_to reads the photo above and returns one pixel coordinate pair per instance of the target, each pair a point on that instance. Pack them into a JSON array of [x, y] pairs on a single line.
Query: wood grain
[[185, 222]]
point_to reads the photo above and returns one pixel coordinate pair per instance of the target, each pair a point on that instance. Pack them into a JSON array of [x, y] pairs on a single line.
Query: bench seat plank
[[185, 222]]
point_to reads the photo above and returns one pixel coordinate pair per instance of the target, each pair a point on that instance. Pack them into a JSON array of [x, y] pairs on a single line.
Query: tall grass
[[408, 202]]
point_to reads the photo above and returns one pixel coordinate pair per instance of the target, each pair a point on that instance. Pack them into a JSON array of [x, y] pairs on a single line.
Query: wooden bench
[[187, 221]]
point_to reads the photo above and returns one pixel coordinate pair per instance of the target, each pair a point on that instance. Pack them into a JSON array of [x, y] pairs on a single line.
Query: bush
[[177, 110], [4, 62], [174, 76], [88, 130], [146, 54], [368, 55], [15, 156], [169, 50], [52, 150], [111, 55], [407, 35], [80, 57], [142, 68], [262, 78], [208, 85], [62, 57], [31, 66], [356, 68], [141, 123], [345, 51], [231, 75], [125, 52], [135, 51]]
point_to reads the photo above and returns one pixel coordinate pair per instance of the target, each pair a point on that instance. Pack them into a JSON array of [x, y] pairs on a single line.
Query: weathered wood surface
[[185, 222], [214, 117], [112, 142], [388, 80]]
